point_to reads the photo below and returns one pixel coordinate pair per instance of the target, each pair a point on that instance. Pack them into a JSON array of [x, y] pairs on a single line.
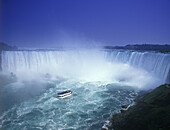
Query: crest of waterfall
[[157, 64]]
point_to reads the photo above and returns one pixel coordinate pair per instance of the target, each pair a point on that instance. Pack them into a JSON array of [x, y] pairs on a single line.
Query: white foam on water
[[140, 69], [89, 106]]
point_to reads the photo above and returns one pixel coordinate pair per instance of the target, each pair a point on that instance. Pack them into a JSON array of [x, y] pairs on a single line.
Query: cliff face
[[151, 112]]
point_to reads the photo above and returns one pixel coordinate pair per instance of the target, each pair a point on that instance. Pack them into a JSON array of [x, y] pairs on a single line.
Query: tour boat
[[64, 94]]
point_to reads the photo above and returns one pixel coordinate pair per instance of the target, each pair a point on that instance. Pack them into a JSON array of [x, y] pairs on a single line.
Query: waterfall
[[58, 62], [157, 64]]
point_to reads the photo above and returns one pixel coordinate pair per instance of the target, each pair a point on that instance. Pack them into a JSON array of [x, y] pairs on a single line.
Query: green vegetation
[[143, 47], [151, 112], [6, 47], [164, 51]]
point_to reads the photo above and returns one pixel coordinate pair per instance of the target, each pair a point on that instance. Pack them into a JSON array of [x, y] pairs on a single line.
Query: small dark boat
[[64, 94]]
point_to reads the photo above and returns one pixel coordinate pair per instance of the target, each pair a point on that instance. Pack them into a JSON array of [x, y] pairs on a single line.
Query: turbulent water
[[88, 108], [101, 81]]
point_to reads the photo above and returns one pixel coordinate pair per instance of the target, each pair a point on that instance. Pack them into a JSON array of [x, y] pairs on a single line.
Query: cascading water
[[157, 64], [101, 81], [84, 63]]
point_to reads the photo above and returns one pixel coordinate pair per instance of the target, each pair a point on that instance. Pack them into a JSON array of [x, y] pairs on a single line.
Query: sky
[[55, 23]]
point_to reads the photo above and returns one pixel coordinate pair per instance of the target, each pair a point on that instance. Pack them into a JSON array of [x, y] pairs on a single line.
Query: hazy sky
[[52, 23]]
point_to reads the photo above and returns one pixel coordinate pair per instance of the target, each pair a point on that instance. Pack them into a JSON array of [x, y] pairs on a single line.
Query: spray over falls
[[91, 65]]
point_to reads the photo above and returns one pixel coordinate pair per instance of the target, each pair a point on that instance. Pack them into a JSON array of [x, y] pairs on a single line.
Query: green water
[[37, 107]]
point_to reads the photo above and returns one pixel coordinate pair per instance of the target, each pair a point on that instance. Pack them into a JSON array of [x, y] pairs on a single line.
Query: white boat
[[64, 94]]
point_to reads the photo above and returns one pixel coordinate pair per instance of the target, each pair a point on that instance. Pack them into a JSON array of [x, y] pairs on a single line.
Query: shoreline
[[150, 111]]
